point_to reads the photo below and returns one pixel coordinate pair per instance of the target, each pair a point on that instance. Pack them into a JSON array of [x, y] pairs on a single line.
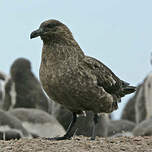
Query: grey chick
[[143, 104], [76, 81], [119, 127], [3, 79], [144, 128], [11, 127], [38, 122], [139, 107], [23, 89], [129, 112]]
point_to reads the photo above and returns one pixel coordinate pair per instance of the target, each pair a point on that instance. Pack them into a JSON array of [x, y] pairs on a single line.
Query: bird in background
[[23, 89], [76, 81], [3, 80]]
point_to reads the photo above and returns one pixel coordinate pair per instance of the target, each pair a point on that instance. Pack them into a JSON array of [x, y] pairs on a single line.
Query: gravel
[[79, 144]]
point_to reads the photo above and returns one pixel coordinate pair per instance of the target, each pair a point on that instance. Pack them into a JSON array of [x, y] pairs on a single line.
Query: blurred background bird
[[23, 89]]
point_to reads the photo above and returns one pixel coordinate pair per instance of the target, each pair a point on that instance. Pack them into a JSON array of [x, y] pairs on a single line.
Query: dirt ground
[[79, 144]]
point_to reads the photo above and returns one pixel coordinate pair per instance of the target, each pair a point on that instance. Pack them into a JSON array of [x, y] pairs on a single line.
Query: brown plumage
[[69, 77]]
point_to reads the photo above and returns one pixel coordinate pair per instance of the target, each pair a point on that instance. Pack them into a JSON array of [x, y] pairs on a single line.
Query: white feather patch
[[13, 95]]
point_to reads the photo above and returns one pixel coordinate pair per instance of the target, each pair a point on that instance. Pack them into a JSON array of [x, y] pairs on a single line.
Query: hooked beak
[[36, 33]]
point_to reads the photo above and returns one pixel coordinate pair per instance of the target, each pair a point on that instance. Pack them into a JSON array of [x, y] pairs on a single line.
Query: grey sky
[[117, 32]]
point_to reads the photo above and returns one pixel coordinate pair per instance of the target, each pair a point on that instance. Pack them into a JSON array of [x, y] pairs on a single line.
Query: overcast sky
[[117, 32]]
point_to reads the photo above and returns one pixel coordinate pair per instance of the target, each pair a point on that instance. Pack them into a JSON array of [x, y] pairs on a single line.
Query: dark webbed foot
[[69, 133], [58, 138], [95, 120]]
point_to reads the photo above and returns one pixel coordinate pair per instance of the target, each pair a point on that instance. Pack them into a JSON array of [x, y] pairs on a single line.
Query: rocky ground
[[79, 144]]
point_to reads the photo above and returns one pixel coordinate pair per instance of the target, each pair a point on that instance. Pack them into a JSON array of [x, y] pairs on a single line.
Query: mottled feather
[[76, 81]]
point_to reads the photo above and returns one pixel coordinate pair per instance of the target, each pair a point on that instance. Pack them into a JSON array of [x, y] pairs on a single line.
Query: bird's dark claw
[[68, 134], [58, 138]]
